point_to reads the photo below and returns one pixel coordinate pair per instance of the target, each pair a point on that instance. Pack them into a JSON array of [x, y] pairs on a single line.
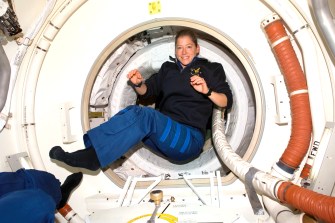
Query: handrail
[[325, 21]]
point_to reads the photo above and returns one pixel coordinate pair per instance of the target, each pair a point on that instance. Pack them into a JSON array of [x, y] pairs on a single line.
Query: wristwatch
[[209, 92], [137, 85]]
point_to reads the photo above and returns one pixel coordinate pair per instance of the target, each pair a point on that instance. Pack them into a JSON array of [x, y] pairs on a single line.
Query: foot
[[85, 158], [70, 183], [57, 153]]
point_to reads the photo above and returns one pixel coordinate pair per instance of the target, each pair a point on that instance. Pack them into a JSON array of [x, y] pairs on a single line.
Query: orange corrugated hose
[[310, 202], [305, 171], [297, 88], [65, 210]]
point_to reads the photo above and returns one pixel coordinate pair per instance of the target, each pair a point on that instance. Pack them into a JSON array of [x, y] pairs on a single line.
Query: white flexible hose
[[17, 60], [264, 183], [33, 72]]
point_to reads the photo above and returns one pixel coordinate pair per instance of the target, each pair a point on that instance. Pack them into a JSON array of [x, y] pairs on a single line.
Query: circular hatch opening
[[146, 47]]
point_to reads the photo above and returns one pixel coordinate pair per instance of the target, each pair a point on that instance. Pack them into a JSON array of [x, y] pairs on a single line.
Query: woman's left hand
[[199, 84]]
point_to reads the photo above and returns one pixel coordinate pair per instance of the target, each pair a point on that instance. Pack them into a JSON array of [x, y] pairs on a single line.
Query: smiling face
[[186, 49]]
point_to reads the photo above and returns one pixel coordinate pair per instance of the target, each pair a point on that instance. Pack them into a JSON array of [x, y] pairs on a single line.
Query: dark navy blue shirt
[[176, 97]]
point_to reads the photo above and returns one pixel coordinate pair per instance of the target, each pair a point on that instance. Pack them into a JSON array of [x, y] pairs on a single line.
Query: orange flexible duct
[[306, 171], [297, 88], [310, 202]]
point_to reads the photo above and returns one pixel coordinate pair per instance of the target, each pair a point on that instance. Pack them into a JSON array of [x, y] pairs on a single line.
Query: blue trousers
[[28, 206], [28, 196], [112, 139]]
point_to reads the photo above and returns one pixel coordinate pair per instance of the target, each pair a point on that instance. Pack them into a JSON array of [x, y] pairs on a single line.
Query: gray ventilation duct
[[4, 77]]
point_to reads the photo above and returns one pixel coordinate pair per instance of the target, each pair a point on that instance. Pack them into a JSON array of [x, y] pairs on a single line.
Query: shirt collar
[[179, 63]]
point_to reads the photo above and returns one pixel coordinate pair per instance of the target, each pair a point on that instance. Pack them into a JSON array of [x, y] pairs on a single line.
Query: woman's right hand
[[135, 77]]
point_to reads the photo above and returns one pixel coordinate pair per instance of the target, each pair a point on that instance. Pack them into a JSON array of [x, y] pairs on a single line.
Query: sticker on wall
[[154, 7]]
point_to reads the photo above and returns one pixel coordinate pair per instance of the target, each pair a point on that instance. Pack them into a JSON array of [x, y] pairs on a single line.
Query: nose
[[183, 50]]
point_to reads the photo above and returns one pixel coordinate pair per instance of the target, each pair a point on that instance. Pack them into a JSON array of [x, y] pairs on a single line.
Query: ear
[[198, 49]]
